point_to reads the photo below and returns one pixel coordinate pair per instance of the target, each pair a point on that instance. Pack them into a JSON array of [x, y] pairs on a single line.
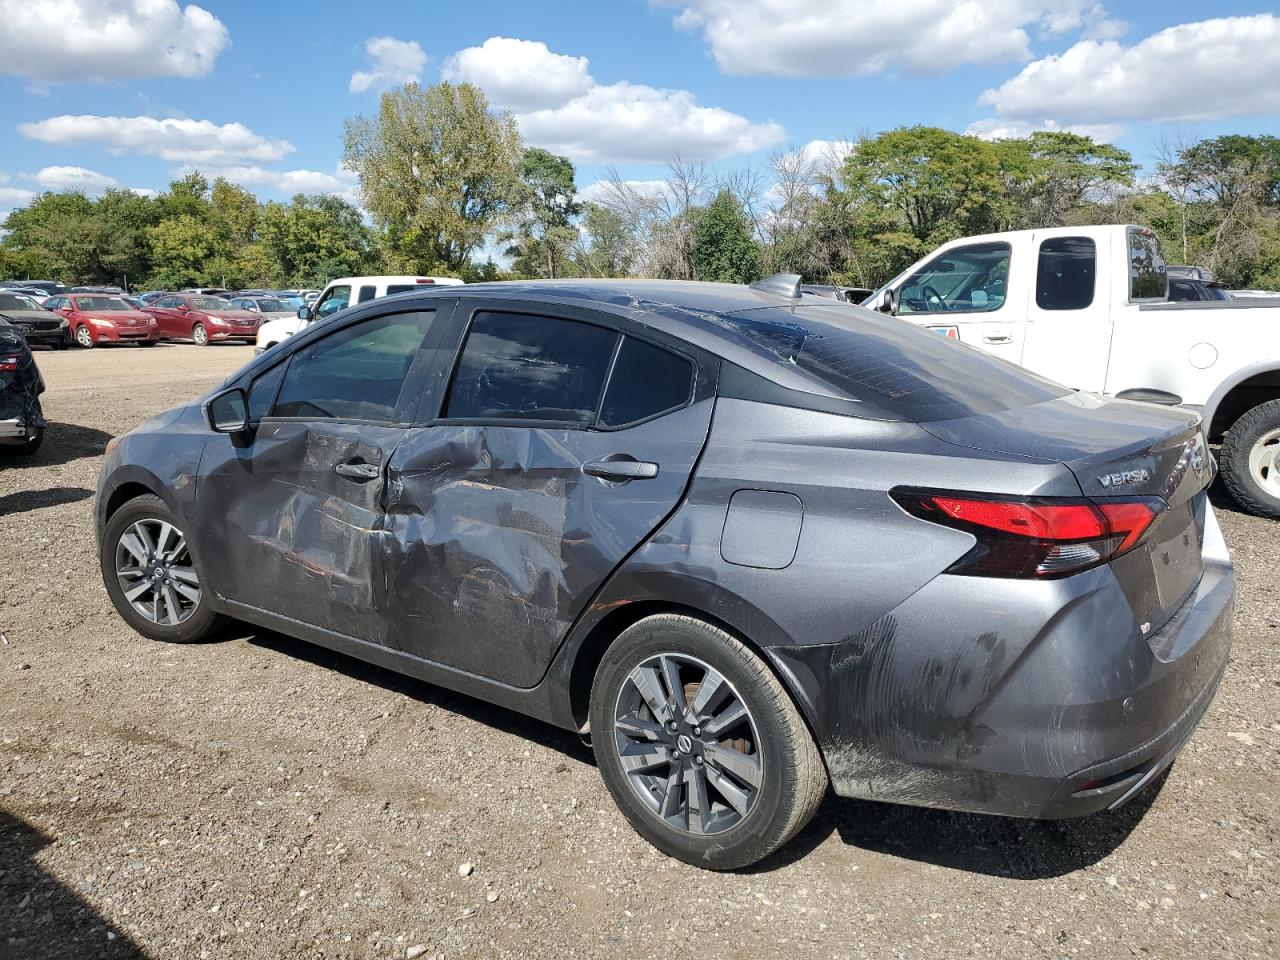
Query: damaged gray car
[[22, 423], [748, 541]]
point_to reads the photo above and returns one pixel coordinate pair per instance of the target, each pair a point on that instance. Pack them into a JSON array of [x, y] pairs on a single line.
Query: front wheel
[[147, 343], [151, 576], [700, 745], [83, 336], [200, 335], [1250, 458]]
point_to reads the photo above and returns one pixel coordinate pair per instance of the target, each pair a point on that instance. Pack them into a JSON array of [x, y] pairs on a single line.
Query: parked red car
[[95, 318], [202, 318]]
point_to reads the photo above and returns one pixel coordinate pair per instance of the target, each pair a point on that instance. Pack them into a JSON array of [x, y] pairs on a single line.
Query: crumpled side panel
[[20, 389]]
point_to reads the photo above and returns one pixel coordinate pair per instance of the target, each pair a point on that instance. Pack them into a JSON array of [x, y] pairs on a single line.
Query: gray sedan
[[749, 542]]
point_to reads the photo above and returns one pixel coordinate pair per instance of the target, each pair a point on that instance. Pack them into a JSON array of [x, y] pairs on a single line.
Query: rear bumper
[[1051, 704], [13, 429]]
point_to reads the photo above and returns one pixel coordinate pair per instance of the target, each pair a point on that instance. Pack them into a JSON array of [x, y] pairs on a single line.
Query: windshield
[[271, 306], [101, 303], [900, 371], [210, 303], [15, 301]]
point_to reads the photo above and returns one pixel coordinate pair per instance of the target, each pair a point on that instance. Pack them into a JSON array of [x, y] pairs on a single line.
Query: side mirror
[[183, 308], [889, 303], [228, 412], [304, 313]]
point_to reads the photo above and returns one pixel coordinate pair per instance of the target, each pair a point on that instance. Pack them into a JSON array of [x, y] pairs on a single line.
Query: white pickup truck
[[1088, 307]]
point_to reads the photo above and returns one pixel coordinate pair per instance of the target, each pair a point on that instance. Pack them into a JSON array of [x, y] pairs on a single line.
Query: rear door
[[965, 293], [294, 513], [562, 443], [1068, 316]]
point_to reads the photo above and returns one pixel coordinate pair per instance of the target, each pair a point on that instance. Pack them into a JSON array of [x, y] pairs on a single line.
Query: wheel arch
[[1239, 393]]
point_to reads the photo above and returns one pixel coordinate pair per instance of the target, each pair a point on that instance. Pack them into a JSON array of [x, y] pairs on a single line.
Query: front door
[[968, 293], [294, 514], [561, 446], [1068, 320]]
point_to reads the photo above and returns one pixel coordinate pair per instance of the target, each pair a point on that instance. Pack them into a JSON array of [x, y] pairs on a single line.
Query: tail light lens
[[1038, 537], [9, 362]]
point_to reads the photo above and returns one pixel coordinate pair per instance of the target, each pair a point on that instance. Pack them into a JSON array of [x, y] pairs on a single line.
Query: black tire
[[202, 620], [1245, 434], [27, 448], [792, 780], [200, 335], [147, 343], [59, 344]]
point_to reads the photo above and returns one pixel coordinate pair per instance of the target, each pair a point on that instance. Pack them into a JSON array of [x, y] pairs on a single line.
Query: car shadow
[[1009, 847], [491, 715], [25, 500], [63, 443], [41, 918]]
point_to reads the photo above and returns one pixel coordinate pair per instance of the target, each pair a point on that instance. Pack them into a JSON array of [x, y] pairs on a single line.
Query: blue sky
[[134, 92]]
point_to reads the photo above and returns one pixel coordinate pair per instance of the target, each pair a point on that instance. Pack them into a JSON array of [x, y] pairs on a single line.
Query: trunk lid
[[1117, 449]]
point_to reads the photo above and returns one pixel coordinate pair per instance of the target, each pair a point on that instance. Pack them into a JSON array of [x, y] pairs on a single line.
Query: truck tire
[[1250, 460]]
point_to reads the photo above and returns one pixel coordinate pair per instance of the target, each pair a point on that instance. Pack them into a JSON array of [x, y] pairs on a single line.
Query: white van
[[341, 293]]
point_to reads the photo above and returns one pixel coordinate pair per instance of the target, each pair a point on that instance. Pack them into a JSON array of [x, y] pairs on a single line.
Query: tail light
[[9, 362], [1039, 538]]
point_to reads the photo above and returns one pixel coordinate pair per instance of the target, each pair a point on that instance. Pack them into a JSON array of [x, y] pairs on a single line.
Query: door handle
[[1000, 338], [358, 470], [620, 471]]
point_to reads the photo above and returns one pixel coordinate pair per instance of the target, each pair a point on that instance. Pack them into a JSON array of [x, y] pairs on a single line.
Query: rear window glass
[[898, 370], [400, 288], [646, 381], [1066, 273], [522, 367]]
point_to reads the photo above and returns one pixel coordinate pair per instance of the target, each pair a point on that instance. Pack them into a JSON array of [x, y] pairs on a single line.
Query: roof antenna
[[781, 285]]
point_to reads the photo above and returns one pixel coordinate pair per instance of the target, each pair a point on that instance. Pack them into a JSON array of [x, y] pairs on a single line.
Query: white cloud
[[559, 106], [147, 192], [11, 197], [1196, 71], [341, 182], [998, 128], [826, 154], [848, 38], [520, 74], [177, 140], [394, 62], [73, 178], [602, 191], [68, 40]]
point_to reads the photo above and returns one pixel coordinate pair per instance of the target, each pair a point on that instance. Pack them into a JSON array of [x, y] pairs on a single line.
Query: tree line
[[443, 180]]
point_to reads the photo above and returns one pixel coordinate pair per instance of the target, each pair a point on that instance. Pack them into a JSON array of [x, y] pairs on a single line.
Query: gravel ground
[[258, 797]]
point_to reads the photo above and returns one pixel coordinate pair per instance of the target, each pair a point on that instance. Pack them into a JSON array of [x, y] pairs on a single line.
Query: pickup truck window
[[972, 279], [1066, 273], [1147, 278]]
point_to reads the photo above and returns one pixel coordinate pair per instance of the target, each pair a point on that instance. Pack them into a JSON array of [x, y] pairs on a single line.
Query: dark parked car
[[35, 323], [22, 424], [745, 540]]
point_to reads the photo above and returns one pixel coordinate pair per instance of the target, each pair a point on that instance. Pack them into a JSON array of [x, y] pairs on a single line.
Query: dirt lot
[[259, 798]]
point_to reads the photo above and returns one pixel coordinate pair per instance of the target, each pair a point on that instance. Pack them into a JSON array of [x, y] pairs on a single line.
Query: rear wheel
[[151, 576], [83, 336], [700, 745], [200, 335], [1251, 460]]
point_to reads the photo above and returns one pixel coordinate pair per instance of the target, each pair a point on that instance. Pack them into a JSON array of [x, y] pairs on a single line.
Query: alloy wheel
[[156, 576], [84, 337], [688, 744], [199, 334], [1264, 462]]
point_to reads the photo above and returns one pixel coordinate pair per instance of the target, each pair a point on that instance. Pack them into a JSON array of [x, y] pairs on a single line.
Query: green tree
[[313, 239], [182, 249], [608, 248], [723, 248], [546, 204], [438, 172], [1052, 173], [235, 212]]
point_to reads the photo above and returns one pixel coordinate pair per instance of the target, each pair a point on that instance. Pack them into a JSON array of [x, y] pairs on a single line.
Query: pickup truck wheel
[[1251, 460]]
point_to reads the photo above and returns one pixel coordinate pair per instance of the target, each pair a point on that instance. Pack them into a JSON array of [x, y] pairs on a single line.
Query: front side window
[[972, 279], [520, 367], [336, 300], [1066, 273], [1147, 277], [357, 373], [646, 381]]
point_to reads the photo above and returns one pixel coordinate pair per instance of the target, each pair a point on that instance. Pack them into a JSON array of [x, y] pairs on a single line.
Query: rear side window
[[356, 373], [367, 292], [1147, 278], [1066, 273], [646, 381], [522, 367]]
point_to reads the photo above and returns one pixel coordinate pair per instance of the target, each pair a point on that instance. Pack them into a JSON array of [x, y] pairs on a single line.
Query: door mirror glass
[[228, 412], [304, 313]]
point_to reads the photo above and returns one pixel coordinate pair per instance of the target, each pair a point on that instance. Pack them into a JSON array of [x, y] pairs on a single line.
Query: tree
[[1051, 173], [438, 172], [547, 203], [315, 238], [181, 250], [605, 247], [724, 249]]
